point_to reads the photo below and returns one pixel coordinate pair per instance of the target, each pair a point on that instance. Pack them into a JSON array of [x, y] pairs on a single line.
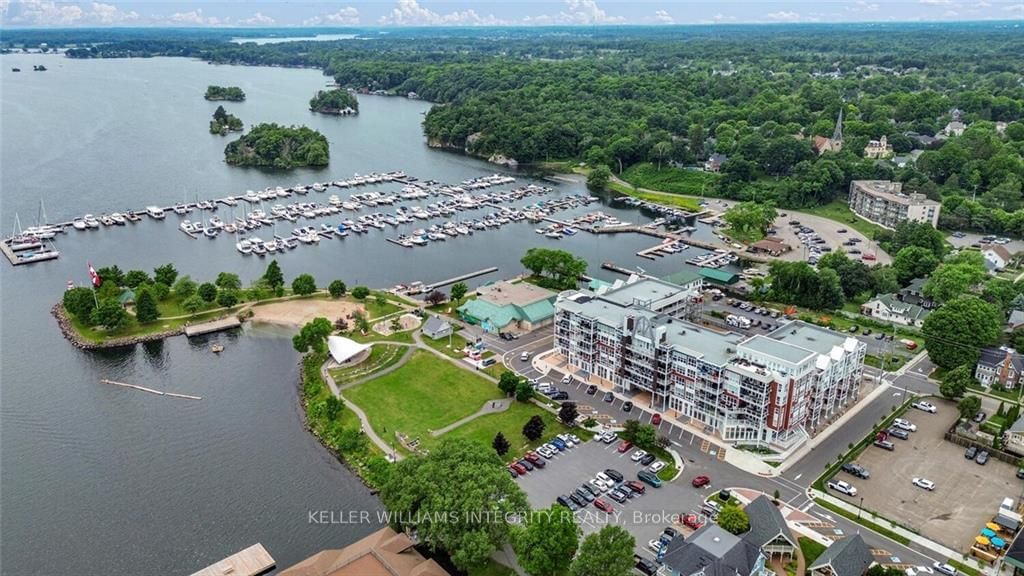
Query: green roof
[[596, 283], [683, 277], [500, 316], [718, 275], [538, 311], [126, 297]]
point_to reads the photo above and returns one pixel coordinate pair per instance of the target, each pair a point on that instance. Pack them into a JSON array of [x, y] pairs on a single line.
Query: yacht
[[211, 232], [155, 212], [118, 218], [244, 246], [91, 221], [78, 224]]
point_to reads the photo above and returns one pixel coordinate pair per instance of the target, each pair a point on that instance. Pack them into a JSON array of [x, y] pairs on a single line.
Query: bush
[[304, 285], [337, 289], [207, 291], [360, 292]]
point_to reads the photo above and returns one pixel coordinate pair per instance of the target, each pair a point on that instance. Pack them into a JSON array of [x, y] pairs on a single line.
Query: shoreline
[[78, 341]]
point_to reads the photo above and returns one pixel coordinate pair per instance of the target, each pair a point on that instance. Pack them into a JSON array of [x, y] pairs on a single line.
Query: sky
[[278, 13]]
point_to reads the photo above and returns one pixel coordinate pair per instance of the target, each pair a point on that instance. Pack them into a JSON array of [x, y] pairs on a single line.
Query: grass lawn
[[375, 310], [426, 393], [381, 357], [811, 550], [510, 423], [1011, 395], [372, 336], [441, 345], [863, 522], [492, 568], [840, 212], [674, 180], [133, 328], [746, 238]]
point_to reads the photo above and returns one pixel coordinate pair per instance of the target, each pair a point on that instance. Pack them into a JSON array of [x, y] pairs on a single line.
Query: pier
[[461, 278], [212, 326], [252, 561], [151, 391]]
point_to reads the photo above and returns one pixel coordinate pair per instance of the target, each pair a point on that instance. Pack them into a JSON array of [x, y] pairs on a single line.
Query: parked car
[[585, 494], [617, 495], [560, 395], [526, 464], [885, 444], [545, 452], [692, 521], [857, 470], [518, 468], [980, 417], [899, 433], [625, 446], [637, 455], [700, 481], [655, 545], [595, 484], [567, 379], [568, 440], [971, 452], [842, 487], [579, 501], [905, 425], [668, 534], [647, 460], [944, 568], [656, 419], [924, 483], [1020, 473], [646, 566], [559, 444], [591, 390], [608, 396], [513, 472], [982, 457], [609, 437], [635, 486], [658, 466], [650, 478], [614, 474], [567, 502], [627, 406], [602, 505], [925, 406]]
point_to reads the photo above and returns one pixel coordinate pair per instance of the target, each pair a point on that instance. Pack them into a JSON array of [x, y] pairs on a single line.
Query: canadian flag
[[96, 280]]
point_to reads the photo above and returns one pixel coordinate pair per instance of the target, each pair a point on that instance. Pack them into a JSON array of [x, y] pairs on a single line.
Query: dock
[[252, 561], [212, 326], [462, 277], [150, 390]]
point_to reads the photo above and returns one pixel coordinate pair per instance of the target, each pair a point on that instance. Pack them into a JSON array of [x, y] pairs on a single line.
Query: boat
[[91, 221], [554, 234], [155, 212], [118, 218], [78, 224], [217, 348], [211, 232]]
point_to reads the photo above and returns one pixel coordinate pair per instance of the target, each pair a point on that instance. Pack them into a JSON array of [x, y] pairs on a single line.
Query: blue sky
[[490, 12]]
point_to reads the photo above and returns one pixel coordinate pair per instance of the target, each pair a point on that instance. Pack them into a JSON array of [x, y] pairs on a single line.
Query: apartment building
[[772, 389], [884, 203]]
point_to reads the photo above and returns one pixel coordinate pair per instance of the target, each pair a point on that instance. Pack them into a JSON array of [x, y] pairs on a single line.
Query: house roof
[[999, 251], [771, 245], [517, 293], [435, 324], [1015, 554], [683, 277], [1017, 427], [902, 307], [126, 297], [1016, 318], [499, 316], [713, 551], [849, 556], [383, 553], [766, 522], [994, 357]]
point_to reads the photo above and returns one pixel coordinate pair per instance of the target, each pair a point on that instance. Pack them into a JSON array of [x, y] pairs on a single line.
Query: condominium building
[[884, 203], [772, 389]]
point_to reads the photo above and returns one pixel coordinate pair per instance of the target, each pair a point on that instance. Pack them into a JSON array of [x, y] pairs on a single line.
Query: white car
[[655, 545], [658, 466], [524, 356], [568, 441], [543, 451], [609, 437], [944, 568], [927, 485], [925, 406], [574, 438], [843, 487], [637, 455], [567, 379], [596, 484], [602, 477], [905, 425], [924, 570]]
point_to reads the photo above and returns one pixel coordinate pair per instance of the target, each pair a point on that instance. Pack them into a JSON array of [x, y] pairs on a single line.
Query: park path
[[363, 420], [409, 349], [490, 407]]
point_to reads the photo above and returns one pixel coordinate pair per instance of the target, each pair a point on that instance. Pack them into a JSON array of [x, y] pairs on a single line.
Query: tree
[[160, 290], [969, 406], [165, 274], [441, 495], [112, 275], [955, 333], [337, 289], [109, 314], [184, 287], [228, 281], [750, 220], [313, 335], [913, 233], [500, 444], [435, 297], [913, 262], [951, 280], [830, 290], [80, 302], [304, 285], [568, 412], [360, 292], [733, 519], [274, 277], [645, 437], [884, 280], [332, 407], [854, 276], [227, 298], [956, 382], [207, 291], [534, 428], [459, 290], [557, 269], [524, 391], [135, 278], [360, 321], [380, 300], [507, 382], [607, 552], [661, 152], [547, 542], [193, 304], [220, 114], [259, 290], [145, 306], [599, 177]]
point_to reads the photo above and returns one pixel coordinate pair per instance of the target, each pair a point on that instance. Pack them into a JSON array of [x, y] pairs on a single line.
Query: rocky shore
[[76, 339]]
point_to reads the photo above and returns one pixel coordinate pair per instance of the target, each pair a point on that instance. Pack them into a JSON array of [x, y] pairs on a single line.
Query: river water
[[96, 479]]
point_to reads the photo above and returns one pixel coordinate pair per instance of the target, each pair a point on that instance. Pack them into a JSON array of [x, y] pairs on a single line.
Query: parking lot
[[966, 494], [645, 516]]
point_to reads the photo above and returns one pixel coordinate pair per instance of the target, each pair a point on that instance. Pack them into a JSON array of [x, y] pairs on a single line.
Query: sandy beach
[[298, 312]]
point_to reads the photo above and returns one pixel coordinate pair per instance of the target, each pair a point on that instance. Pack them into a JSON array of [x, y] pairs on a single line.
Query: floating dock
[[252, 561], [462, 277], [213, 326], [151, 391]]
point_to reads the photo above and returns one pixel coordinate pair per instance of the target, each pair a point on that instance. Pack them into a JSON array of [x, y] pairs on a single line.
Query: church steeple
[[837, 136]]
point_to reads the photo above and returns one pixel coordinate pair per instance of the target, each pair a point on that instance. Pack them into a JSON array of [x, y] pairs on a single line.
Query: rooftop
[[713, 551], [847, 557], [643, 290], [777, 349], [808, 336], [383, 553], [892, 192], [517, 294]]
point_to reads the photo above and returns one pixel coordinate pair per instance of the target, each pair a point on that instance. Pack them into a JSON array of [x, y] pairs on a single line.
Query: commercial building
[[383, 553], [773, 389], [502, 306], [884, 203]]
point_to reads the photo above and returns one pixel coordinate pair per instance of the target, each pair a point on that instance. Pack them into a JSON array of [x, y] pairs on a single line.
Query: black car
[[614, 474], [590, 489], [568, 503], [646, 566], [591, 390], [856, 469], [648, 460], [582, 503], [979, 417], [982, 457], [617, 495], [526, 464], [971, 452], [672, 532], [513, 472], [627, 406], [560, 395], [585, 494], [608, 397]]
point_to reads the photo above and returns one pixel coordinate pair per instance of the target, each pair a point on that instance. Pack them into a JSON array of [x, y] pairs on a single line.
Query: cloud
[[1019, 8], [863, 6], [664, 17], [936, 2], [586, 12], [410, 13], [346, 16], [110, 14], [49, 13], [950, 13], [258, 19], [718, 19], [783, 16]]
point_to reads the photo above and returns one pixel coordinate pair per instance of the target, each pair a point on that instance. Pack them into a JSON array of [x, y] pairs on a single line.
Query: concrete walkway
[[363, 420], [409, 349], [490, 407]]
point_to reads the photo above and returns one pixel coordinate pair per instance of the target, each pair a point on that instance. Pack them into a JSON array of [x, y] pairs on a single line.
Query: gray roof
[[646, 289], [903, 307], [849, 556], [766, 522], [808, 336], [1017, 427], [994, 357], [712, 550], [777, 349], [1016, 318], [435, 324]]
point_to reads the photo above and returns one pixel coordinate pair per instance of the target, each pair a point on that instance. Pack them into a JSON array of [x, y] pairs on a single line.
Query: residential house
[[1015, 321], [714, 162], [884, 203], [908, 307], [922, 139], [822, 144], [510, 305], [999, 366], [383, 553], [878, 148], [954, 128], [1013, 438], [436, 328], [998, 255], [849, 556], [770, 245]]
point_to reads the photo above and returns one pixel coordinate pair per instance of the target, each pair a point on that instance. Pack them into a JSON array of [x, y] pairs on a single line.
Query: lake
[[102, 480]]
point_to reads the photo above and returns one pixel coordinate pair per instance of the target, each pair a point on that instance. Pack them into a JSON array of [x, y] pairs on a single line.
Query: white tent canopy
[[343, 349]]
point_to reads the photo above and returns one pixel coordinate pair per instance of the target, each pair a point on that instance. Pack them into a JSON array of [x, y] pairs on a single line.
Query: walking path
[[490, 407], [409, 349], [363, 420]]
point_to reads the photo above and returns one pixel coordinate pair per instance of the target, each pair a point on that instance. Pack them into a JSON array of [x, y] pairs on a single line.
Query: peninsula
[[272, 145], [338, 102], [231, 93]]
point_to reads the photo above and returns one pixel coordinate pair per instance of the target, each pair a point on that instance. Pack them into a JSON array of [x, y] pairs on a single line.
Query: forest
[[275, 146], [334, 102]]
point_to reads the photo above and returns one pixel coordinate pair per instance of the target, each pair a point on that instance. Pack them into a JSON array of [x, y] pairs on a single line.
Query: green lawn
[[133, 328], [372, 336], [375, 310], [811, 549], [441, 345], [840, 212], [510, 423], [667, 179], [863, 522], [426, 393], [492, 568], [381, 357]]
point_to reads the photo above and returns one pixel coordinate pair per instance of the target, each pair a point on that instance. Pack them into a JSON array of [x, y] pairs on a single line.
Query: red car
[[636, 486], [692, 521], [602, 505], [625, 446], [701, 481], [518, 468], [656, 419], [532, 457]]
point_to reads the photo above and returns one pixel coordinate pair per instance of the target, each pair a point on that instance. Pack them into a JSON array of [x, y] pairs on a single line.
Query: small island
[[39, 68], [274, 146], [338, 102], [223, 122], [230, 93]]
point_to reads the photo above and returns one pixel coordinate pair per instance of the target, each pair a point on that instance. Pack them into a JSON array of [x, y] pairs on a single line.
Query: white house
[[436, 328], [999, 256]]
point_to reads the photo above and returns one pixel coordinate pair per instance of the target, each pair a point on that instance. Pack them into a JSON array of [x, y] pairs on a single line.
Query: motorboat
[[118, 218], [155, 212], [91, 221], [78, 224]]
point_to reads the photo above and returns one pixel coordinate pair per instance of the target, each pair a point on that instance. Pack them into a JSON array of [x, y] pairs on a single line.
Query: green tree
[[228, 281], [955, 333], [956, 382], [534, 428], [969, 406], [568, 412], [165, 274], [524, 391], [112, 274], [109, 314], [607, 552], [207, 291], [507, 382], [884, 280], [360, 292], [854, 276], [440, 496], [145, 306], [459, 290], [259, 290], [193, 304], [274, 277], [80, 302], [951, 280], [135, 278], [304, 285], [220, 114], [733, 519], [547, 542], [599, 177], [500, 444], [337, 289], [557, 269], [913, 262], [184, 287], [332, 407], [360, 321], [313, 335], [830, 290], [227, 298], [750, 220], [161, 291], [645, 436]]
